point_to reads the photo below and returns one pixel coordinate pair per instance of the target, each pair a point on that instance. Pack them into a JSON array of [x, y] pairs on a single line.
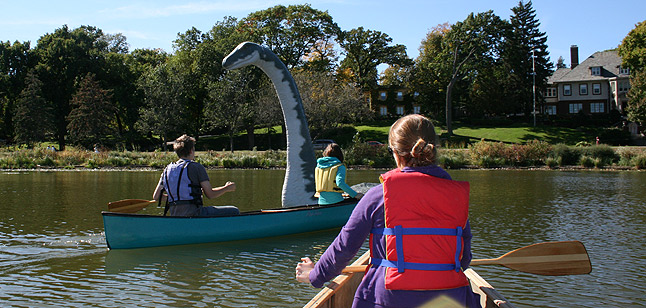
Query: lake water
[[53, 252]]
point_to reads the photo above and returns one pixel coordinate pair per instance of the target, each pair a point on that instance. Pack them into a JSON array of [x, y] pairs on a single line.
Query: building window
[[400, 95], [624, 86], [583, 89], [624, 71], [596, 88], [574, 108], [550, 110], [551, 92], [567, 89], [383, 110], [597, 108], [382, 95], [417, 109], [595, 70], [400, 110]]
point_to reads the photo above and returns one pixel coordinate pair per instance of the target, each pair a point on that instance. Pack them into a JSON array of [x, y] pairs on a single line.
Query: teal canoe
[[123, 231]]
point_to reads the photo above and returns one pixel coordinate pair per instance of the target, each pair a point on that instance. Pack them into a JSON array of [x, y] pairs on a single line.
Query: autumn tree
[[90, 120]]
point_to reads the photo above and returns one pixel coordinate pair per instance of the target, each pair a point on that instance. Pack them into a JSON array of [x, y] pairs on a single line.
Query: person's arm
[[211, 192], [158, 190], [340, 181], [466, 240], [345, 246]]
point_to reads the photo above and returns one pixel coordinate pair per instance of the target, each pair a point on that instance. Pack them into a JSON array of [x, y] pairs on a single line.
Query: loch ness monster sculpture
[[298, 186]]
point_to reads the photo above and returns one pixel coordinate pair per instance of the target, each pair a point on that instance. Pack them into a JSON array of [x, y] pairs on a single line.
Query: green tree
[[16, 60], [633, 54], [469, 45], [231, 101], [291, 32], [32, 114], [165, 111], [329, 103], [430, 74], [91, 119], [636, 109], [63, 57], [524, 40], [633, 48], [365, 50]]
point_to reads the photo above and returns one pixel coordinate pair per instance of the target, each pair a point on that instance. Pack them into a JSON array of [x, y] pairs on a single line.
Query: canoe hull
[[123, 231], [340, 291]]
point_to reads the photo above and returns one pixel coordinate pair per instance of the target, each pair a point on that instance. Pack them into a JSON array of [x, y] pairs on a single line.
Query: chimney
[[574, 56]]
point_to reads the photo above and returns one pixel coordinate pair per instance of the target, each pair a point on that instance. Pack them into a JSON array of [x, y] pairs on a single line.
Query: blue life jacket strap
[[402, 265]]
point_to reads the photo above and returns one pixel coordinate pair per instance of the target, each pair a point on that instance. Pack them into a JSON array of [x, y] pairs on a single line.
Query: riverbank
[[484, 154]]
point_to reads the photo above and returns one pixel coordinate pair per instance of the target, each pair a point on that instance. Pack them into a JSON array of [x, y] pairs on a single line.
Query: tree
[[560, 63], [636, 109], [291, 32], [16, 60], [633, 54], [430, 72], [633, 48], [365, 50], [32, 114], [231, 101], [469, 44], [329, 103], [523, 40], [63, 57], [90, 120], [165, 111]]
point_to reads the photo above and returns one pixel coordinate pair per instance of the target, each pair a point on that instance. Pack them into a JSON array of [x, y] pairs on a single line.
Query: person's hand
[[358, 196], [230, 186], [303, 270]]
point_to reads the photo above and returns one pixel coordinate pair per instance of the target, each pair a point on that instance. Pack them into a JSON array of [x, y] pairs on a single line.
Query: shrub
[[639, 161], [586, 161], [602, 152], [565, 155]]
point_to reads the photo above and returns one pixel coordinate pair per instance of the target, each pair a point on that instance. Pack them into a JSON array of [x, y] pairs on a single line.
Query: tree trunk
[[449, 89], [251, 137], [231, 140]]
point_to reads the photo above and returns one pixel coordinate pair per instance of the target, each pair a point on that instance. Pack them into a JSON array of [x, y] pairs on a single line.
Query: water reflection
[[53, 253]]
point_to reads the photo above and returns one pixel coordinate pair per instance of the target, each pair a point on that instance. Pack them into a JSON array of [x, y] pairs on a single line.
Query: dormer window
[[595, 71], [400, 95], [382, 95], [624, 71]]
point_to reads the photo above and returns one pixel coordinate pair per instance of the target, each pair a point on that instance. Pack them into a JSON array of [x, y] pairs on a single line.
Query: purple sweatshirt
[[368, 214]]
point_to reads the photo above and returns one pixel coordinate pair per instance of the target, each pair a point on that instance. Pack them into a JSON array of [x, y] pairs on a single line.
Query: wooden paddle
[[129, 205], [550, 258]]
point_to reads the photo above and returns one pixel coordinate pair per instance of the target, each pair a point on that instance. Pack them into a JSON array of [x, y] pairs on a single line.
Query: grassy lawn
[[378, 130]]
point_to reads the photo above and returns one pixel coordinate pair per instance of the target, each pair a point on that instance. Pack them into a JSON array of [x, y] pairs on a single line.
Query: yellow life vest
[[326, 180]]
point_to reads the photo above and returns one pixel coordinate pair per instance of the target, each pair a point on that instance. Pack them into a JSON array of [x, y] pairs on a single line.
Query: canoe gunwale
[[248, 213]]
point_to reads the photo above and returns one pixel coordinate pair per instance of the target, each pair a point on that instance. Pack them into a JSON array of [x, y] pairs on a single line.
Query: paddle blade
[[129, 205], [550, 258]]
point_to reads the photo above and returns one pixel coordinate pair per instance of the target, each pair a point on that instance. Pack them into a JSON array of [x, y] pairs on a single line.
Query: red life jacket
[[425, 216]]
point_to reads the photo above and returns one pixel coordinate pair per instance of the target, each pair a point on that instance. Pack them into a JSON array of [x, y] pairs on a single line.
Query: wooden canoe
[[340, 291], [127, 230]]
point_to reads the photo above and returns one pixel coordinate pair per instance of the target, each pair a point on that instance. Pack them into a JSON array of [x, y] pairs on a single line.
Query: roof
[[609, 61]]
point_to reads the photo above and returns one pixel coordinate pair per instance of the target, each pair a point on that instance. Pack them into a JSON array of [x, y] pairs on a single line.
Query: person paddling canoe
[[184, 182]]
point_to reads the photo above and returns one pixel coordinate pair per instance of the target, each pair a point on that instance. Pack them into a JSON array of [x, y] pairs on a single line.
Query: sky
[[592, 25]]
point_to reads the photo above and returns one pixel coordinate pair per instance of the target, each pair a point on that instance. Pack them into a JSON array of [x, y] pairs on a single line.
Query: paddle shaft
[[129, 205], [550, 258]]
